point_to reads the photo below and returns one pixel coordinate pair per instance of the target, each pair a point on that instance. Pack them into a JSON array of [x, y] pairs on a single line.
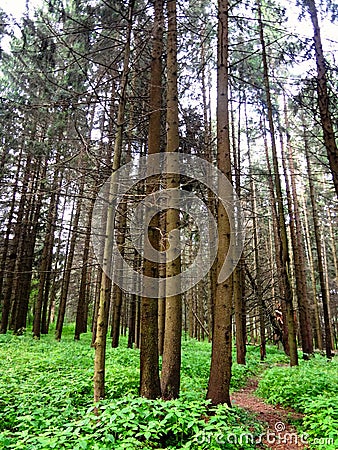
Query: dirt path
[[280, 435]]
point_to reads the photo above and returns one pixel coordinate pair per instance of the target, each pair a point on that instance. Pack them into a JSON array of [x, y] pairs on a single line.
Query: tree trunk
[[323, 96], [83, 299], [171, 361], [284, 251], [104, 300], [47, 254], [298, 251], [221, 357], [318, 239], [69, 263]]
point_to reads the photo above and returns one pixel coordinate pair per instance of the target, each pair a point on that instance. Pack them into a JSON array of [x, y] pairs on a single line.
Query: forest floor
[[280, 434]]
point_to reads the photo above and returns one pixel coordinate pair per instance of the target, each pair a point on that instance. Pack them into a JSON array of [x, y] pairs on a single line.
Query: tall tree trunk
[[149, 374], [69, 263], [25, 263], [171, 362], [259, 293], [105, 290], [318, 239], [315, 307], [83, 299], [238, 277], [285, 257], [323, 96], [221, 357], [298, 251], [8, 249], [46, 255]]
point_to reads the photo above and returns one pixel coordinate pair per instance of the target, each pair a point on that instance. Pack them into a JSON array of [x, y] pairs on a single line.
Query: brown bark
[[80, 321], [24, 265], [46, 256], [298, 250], [318, 239], [318, 337], [284, 251], [238, 277], [323, 96], [104, 300], [221, 357], [171, 362], [69, 263]]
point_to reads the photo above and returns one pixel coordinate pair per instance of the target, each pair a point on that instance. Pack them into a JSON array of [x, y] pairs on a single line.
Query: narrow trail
[[279, 435]]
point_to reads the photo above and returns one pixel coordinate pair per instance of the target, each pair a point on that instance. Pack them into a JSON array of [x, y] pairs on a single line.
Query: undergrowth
[[46, 399], [312, 389]]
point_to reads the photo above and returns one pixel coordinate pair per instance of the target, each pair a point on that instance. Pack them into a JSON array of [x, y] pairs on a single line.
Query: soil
[[279, 434]]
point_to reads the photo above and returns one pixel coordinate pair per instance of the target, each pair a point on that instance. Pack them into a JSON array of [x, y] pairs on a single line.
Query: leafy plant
[[312, 389]]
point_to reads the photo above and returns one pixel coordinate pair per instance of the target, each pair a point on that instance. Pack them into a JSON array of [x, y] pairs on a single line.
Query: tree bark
[[171, 362], [221, 357], [323, 96], [104, 300], [318, 239], [284, 251]]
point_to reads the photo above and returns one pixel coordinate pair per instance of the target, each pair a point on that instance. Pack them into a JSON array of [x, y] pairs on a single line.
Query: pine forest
[[169, 224]]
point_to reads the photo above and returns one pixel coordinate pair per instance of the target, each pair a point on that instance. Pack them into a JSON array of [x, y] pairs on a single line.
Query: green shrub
[[46, 400], [312, 389]]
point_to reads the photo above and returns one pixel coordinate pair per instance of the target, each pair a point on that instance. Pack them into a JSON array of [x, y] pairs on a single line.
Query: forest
[[169, 217]]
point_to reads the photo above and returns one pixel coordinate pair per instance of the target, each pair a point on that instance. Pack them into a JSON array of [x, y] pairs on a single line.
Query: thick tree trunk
[[323, 96], [25, 262], [149, 373], [221, 357], [171, 362]]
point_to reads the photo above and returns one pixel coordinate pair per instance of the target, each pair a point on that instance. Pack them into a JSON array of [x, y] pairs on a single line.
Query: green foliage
[[46, 399], [312, 389]]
